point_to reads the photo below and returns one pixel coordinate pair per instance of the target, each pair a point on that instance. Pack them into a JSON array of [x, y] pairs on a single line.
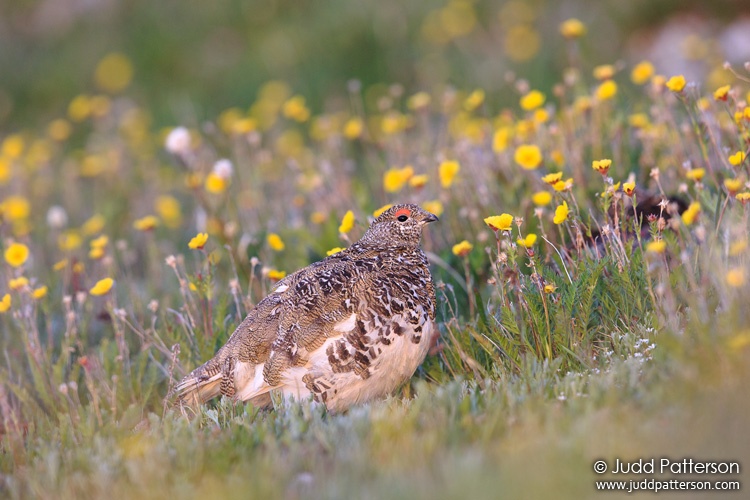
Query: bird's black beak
[[431, 218]]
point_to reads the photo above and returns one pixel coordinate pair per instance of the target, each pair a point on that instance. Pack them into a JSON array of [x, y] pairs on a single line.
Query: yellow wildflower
[[419, 100], [500, 139], [604, 72], [216, 184], [501, 222], [102, 287], [317, 217], [59, 130], [572, 28], [382, 209], [296, 109], [275, 242], [689, 215], [99, 242], [541, 116], [447, 172], [79, 108], [638, 120], [168, 209], [528, 156], [582, 103], [16, 254], [60, 265], [394, 179], [474, 100], [528, 241], [552, 178], [737, 158], [39, 293], [418, 181], [563, 185], [198, 241], [275, 275], [5, 170], [113, 73], [722, 93], [93, 225], [462, 249], [353, 128], [5, 303], [146, 223], [347, 222], [434, 207], [743, 197], [628, 188], [12, 146], [96, 253], [561, 213], [736, 277], [656, 246], [15, 208], [601, 166], [695, 174], [394, 122], [607, 90], [541, 198], [334, 250], [642, 72], [532, 100], [550, 288], [18, 283], [676, 83]]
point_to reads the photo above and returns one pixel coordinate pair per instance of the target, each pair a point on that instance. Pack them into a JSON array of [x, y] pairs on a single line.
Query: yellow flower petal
[[447, 172], [146, 223], [737, 158], [541, 198], [275, 242], [528, 241], [532, 100], [275, 275], [572, 28], [676, 83], [199, 241], [102, 286], [347, 222], [16, 254], [656, 246], [642, 72], [561, 213], [528, 156], [501, 222], [5, 303], [40, 292], [462, 249]]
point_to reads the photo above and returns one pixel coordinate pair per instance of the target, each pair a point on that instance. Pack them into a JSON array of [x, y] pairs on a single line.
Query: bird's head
[[399, 226]]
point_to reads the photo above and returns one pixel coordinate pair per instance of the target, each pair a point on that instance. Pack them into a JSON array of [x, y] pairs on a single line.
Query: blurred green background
[[191, 59]]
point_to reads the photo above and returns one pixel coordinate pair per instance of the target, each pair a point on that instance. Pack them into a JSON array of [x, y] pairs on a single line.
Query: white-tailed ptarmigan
[[345, 330]]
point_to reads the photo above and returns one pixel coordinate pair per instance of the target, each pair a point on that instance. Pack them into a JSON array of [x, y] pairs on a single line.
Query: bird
[[346, 330]]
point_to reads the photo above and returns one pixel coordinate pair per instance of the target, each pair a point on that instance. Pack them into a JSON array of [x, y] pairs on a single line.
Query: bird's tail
[[201, 385]]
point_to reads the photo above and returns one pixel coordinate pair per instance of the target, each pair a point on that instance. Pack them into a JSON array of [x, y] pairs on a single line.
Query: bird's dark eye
[[402, 218]]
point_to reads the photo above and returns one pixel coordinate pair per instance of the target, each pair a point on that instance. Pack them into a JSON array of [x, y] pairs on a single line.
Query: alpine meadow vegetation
[[591, 264]]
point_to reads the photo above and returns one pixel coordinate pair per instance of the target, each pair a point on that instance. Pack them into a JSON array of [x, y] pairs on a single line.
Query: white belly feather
[[394, 364]]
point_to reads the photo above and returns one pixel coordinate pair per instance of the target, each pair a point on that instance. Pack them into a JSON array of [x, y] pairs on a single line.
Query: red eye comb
[[403, 211]]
